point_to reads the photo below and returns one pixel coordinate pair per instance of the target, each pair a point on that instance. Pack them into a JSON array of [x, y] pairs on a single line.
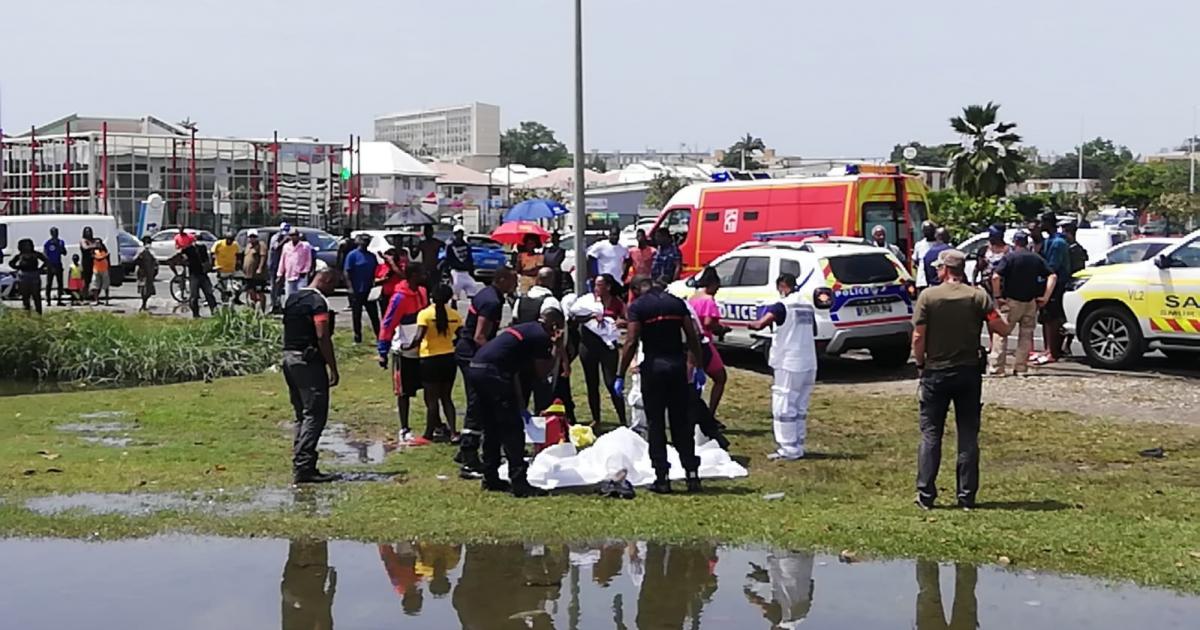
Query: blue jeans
[[292, 286]]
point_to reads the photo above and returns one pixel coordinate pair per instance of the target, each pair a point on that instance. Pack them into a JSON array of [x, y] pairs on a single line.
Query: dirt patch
[[1125, 396]]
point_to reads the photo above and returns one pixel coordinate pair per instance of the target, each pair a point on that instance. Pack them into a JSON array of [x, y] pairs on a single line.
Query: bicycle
[[179, 289], [230, 287]]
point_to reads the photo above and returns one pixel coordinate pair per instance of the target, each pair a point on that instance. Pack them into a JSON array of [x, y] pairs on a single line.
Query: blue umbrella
[[535, 209]]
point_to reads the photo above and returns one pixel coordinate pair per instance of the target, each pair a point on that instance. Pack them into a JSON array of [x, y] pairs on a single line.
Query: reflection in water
[[235, 583], [678, 581], [931, 615], [783, 589], [308, 587]]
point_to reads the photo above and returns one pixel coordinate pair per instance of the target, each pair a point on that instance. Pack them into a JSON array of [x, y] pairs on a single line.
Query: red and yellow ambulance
[[710, 219]]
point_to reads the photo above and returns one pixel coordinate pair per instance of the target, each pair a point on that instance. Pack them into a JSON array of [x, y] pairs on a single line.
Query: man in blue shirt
[[359, 268], [479, 327], [661, 322], [667, 259], [494, 374], [1056, 251], [940, 244], [54, 249]]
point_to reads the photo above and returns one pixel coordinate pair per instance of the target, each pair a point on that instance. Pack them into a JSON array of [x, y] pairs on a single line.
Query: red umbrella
[[514, 232]]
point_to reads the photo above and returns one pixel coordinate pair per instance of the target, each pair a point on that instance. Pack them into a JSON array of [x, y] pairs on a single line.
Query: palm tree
[[741, 153], [989, 159]]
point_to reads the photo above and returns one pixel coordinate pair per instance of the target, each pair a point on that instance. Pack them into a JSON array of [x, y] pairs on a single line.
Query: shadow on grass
[[1044, 505], [850, 457], [710, 487]]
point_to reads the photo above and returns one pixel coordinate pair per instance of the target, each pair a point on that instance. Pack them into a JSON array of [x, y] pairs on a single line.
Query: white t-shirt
[[610, 258]]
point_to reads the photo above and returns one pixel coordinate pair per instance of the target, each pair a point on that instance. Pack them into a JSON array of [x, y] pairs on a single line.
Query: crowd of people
[[513, 365], [87, 277]]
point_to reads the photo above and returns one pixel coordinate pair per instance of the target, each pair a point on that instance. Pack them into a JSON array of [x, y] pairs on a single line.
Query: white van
[[70, 228]]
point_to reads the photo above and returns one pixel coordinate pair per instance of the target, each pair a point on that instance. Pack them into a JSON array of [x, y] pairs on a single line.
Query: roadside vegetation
[[96, 349], [1060, 492]]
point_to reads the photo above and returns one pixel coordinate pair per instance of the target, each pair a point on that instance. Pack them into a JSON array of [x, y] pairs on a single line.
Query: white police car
[[863, 295]]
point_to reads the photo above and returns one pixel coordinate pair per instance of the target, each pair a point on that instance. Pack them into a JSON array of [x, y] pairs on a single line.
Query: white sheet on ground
[[561, 466]]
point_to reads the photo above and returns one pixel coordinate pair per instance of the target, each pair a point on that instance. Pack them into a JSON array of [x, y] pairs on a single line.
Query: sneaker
[[693, 484], [923, 504], [405, 436], [469, 473], [495, 485], [781, 456], [523, 490], [661, 486], [313, 476], [455, 439], [966, 505], [419, 440]]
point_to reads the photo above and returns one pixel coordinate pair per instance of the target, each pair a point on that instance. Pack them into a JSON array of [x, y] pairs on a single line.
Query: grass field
[[1059, 492]]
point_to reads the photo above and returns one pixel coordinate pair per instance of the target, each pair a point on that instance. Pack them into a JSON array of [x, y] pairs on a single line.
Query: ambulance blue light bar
[[782, 234]]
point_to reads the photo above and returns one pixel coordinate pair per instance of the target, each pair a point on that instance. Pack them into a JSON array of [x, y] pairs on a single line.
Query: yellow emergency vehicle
[[1120, 312]]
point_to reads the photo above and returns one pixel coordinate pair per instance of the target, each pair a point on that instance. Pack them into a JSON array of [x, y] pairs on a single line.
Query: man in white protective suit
[[794, 359]]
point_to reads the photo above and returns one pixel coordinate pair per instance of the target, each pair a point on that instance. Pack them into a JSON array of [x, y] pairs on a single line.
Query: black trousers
[[963, 387], [308, 587], [597, 357], [665, 395], [472, 429], [503, 427], [358, 303], [53, 274], [196, 284], [964, 611], [308, 385]]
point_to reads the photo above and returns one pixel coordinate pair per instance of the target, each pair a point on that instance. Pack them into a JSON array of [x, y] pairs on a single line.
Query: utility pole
[[580, 203], [1192, 154]]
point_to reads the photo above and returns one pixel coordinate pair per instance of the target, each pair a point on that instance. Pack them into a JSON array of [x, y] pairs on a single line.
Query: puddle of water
[[95, 432], [116, 442], [253, 583], [231, 503], [94, 427], [346, 449], [103, 415]]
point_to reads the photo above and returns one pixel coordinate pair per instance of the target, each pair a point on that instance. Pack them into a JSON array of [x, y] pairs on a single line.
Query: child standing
[[75, 280], [147, 271], [100, 272]]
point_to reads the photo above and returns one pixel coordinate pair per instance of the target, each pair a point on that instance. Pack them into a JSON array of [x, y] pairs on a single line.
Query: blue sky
[[815, 79]]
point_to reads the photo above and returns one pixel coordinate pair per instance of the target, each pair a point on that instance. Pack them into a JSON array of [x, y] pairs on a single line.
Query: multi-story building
[[616, 160], [467, 134]]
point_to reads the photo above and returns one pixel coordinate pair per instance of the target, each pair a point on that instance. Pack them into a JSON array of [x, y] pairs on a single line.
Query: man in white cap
[[461, 263], [275, 250], [794, 359]]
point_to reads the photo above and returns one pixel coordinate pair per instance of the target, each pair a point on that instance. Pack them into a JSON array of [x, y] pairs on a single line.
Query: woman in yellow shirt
[[437, 327]]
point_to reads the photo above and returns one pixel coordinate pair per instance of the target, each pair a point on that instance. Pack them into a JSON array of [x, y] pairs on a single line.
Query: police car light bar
[[782, 234]]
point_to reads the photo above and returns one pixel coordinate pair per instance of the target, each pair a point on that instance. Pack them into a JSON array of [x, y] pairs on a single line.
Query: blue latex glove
[[526, 416], [699, 378], [619, 386]]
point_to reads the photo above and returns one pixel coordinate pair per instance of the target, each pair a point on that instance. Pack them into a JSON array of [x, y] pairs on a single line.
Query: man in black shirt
[[429, 248], [553, 256], [661, 321], [494, 374], [479, 327], [310, 369], [195, 258], [1022, 283]]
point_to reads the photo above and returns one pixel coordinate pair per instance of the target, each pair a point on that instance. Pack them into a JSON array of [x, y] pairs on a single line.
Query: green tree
[[989, 158], [1102, 160], [533, 144], [746, 147], [662, 188], [927, 155], [966, 215], [1141, 184], [1180, 210]]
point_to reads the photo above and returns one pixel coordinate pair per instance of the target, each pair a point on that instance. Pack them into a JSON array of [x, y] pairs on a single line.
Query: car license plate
[[873, 309]]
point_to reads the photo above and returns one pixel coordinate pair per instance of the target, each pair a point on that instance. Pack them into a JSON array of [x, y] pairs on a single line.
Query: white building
[[468, 134], [392, 177], [471, 193], [1051, 185]]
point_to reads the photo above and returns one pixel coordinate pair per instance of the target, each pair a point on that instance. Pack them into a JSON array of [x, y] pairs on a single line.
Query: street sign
[[910, 153]]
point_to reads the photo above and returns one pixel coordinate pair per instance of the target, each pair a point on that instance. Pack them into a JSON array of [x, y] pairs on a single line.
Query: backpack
[[528, 309]]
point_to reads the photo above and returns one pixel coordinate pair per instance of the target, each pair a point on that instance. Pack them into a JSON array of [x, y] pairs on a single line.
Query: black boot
[[661, 485], [693, 482], [523, 490], [495, 484], [312, 476]]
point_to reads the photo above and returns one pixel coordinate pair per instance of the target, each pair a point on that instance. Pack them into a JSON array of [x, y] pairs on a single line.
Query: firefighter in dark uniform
[[310, 369], [479, 327], [662, 322], [494, 373]]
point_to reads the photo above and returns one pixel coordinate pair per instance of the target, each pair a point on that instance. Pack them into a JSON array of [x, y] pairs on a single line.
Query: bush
[[966, 216], [104, 349]]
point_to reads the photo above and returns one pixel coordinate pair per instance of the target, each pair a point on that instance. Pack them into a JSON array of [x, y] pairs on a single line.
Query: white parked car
[[162, 243], [863, 296], [1134, 251]]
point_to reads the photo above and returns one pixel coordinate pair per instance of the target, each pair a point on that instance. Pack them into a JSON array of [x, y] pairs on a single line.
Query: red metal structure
[[275, 173], [67, 172], [192, 174], [33, 171], [104, 166]]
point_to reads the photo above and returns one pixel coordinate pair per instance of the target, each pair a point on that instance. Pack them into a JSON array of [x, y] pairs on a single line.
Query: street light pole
[[1192, 154], [580, 203]]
